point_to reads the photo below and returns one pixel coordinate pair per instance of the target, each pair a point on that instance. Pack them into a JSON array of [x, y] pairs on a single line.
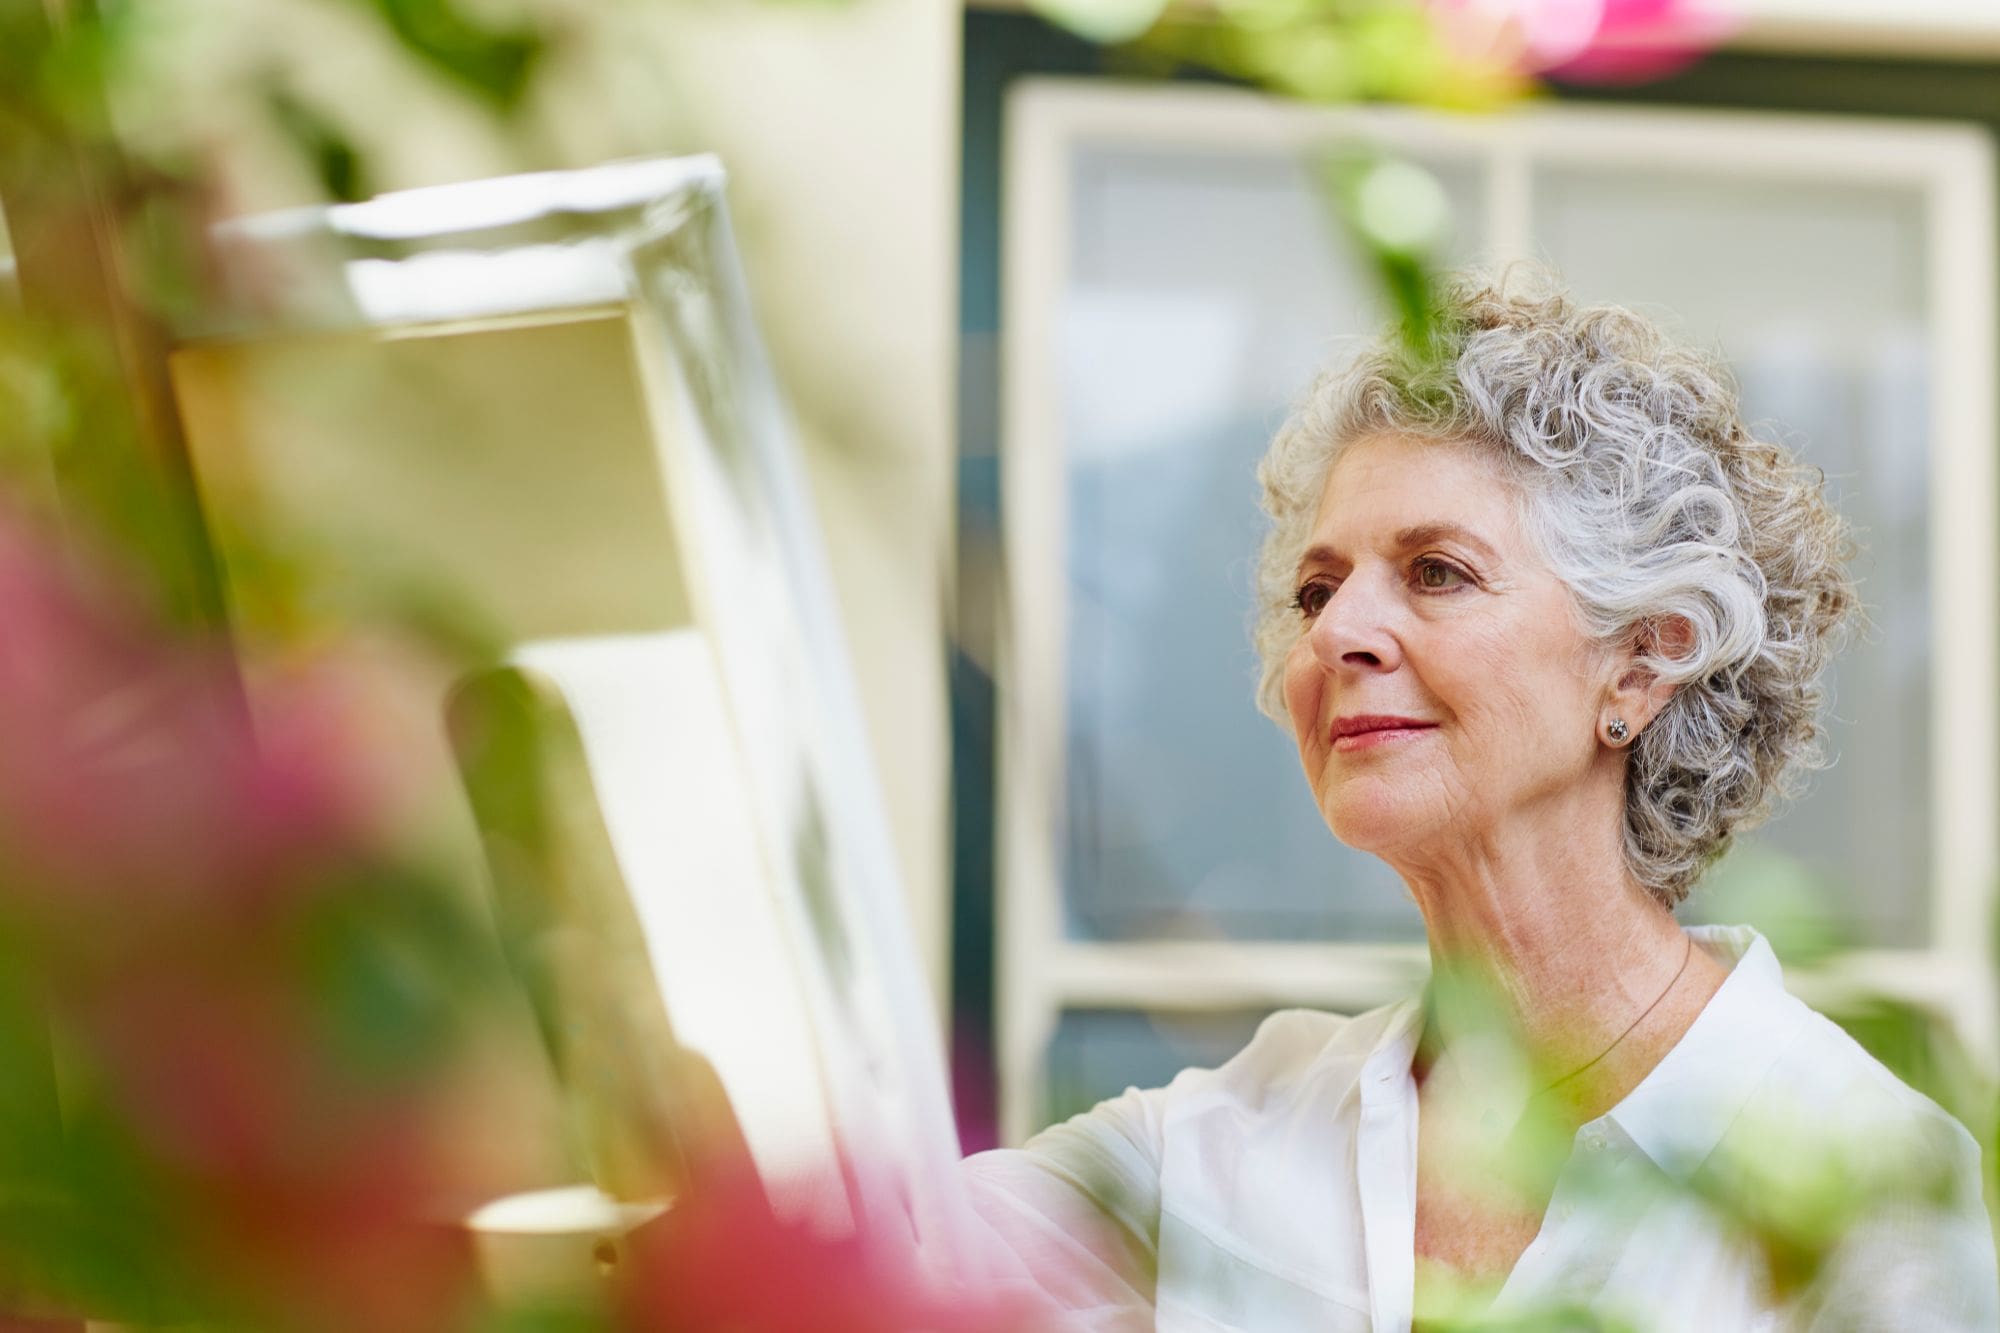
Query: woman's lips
[[1362, 733]]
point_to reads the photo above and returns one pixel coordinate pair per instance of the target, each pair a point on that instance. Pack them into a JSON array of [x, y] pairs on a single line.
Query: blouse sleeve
[[1073, 1218]]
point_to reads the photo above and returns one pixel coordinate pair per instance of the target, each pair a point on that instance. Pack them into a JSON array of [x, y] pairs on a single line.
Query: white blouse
[[1279, 1191]]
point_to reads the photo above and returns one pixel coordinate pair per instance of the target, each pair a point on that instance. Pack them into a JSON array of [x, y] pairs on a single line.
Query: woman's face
[[1439, 686]]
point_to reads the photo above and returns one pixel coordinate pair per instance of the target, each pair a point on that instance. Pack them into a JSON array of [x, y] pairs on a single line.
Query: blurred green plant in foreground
[[250, 1007]]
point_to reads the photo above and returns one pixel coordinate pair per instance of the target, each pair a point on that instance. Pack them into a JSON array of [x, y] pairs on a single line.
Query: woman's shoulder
[[1829, 1082], [1809, 1087], [1761, 1077], [1815, 1065]]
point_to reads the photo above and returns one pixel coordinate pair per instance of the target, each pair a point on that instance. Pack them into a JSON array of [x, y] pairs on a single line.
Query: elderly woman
[[1548, 627]]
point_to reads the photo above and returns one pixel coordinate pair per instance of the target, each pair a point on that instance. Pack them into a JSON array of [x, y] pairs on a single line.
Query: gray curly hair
[[1650, 500]]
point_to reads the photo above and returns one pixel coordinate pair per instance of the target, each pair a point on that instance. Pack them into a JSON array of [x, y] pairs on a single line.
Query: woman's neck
[[1545, 936]]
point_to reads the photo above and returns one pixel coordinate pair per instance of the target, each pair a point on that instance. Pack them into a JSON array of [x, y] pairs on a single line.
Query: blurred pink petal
[[1603, 41], [1640, 40], [131, 774]]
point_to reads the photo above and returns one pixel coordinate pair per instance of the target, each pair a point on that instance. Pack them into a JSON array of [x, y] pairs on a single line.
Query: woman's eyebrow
[[1417, 534], [1426, 534], [1319, 553]]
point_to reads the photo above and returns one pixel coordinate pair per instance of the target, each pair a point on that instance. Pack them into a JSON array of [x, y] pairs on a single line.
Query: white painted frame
[[1040, 972]]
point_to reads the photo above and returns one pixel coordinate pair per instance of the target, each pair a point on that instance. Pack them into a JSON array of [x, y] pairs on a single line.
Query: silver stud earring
[[1617, 730]]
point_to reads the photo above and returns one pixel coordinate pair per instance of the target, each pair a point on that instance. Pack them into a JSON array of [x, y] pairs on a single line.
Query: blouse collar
[[1679, 1112]]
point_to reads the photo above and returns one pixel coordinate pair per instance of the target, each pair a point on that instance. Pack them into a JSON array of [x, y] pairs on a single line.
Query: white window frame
[[1040, 972]]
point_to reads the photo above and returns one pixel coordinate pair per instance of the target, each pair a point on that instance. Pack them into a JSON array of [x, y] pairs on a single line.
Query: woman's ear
[[1639, 694]]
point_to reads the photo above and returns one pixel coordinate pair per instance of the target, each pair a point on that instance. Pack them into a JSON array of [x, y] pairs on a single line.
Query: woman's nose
[[1353, 631]]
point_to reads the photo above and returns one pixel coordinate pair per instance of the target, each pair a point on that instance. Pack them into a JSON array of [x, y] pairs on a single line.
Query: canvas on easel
[[712, 889]]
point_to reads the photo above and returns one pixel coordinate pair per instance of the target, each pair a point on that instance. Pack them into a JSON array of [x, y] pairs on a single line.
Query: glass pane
[[1098, 1053], [1206, 288], [1816, 295]]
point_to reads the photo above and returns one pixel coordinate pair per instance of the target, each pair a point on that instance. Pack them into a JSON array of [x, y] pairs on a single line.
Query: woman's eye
[[1436, 575], [1312, 598]]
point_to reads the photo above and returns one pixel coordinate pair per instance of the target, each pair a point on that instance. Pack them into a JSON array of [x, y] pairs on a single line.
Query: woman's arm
[[1074, 1216]]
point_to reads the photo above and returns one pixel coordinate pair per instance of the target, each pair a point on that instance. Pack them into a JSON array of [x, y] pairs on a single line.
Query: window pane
[[1098, 1053], [1205, 291]]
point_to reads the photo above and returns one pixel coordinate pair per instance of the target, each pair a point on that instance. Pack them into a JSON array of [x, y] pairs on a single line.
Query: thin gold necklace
[[1629, 1029]]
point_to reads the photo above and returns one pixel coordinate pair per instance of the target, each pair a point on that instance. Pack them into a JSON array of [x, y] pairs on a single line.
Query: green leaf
[[1399, 217], [495, 65], [334, 160]]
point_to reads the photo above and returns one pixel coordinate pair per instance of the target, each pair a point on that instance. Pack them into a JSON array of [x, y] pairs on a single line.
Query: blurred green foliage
[[337, 164], [494, 64], [1332, 51], [1396, 215]]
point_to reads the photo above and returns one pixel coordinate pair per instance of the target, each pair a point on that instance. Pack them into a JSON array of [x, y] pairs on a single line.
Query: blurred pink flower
[[1586, 41], [316, 1195], [175, 876], [132, 783], [720, 1261]]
